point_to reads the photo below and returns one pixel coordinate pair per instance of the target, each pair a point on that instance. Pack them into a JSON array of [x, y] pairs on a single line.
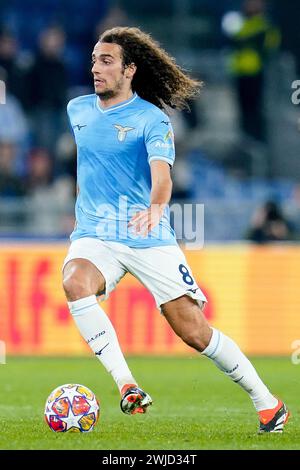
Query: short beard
[[106, 95]]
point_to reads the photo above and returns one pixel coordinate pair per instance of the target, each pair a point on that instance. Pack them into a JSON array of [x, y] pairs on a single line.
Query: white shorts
[[163, 270]]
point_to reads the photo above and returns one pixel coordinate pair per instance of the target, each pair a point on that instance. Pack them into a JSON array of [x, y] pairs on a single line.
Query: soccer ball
[[72, 408]]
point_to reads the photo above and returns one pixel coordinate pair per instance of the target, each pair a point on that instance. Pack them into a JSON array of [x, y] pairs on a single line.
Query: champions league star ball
[[72, 408]]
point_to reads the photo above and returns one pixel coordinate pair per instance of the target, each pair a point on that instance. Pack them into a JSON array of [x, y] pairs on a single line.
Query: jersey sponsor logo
[[79, 126], [122, 131], [163, 145]]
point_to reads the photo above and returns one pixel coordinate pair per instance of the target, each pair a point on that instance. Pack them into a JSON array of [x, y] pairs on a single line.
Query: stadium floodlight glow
[[232, 22]]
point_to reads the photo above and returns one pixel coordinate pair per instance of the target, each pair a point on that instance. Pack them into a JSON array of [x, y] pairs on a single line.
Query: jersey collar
[[116, 106]]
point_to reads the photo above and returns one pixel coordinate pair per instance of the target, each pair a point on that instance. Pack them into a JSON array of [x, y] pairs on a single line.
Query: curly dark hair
[[158, 78]]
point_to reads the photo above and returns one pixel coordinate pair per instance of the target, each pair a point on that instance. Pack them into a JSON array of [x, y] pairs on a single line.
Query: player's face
[[108, 70]]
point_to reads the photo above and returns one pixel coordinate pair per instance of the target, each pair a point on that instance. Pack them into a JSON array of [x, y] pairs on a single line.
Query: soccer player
[[125, 153]]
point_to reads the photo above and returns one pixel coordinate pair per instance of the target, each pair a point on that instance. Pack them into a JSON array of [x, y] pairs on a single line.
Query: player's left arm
[[161, 189]]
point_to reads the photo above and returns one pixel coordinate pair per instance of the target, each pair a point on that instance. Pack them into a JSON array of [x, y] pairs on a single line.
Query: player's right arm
[[159, 141], [161, 184], [161, 189]]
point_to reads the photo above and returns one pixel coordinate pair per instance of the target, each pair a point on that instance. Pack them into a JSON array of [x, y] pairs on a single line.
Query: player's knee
[[198, 340], [75, 287], [191, 340]]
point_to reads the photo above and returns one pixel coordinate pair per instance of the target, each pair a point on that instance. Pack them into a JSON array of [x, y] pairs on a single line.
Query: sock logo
[[232, 370], [95, 337], [98, 353], [237, 381]]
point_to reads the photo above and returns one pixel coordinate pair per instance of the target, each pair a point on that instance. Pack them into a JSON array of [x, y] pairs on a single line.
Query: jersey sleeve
[[159, 141], [69, 119]]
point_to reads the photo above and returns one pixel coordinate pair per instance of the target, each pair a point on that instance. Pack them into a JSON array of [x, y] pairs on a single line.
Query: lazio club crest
[[122, 131]]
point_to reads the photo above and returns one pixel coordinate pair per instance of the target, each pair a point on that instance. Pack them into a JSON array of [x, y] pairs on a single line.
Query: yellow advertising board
[[253, 294]]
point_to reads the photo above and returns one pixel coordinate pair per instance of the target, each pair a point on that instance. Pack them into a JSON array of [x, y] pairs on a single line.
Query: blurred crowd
[[43, 71], [34, 157]]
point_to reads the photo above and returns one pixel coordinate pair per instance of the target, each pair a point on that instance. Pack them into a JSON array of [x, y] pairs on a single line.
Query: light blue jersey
[[115, 147]]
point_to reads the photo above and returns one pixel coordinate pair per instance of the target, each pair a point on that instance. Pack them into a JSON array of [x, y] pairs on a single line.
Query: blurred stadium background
[[237, 153]]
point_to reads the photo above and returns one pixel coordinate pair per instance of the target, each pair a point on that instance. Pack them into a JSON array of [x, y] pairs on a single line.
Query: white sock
[[228, 357], [98, 331]]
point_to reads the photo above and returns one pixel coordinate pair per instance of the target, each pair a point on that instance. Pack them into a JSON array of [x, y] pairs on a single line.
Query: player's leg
[[188, 321], [82, 281], [165, 272]]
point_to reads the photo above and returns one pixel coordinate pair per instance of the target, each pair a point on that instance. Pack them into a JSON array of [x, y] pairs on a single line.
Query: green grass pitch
[[195, 406]]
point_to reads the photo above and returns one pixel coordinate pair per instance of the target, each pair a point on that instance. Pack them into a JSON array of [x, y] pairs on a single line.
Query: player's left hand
[[144, 221]]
